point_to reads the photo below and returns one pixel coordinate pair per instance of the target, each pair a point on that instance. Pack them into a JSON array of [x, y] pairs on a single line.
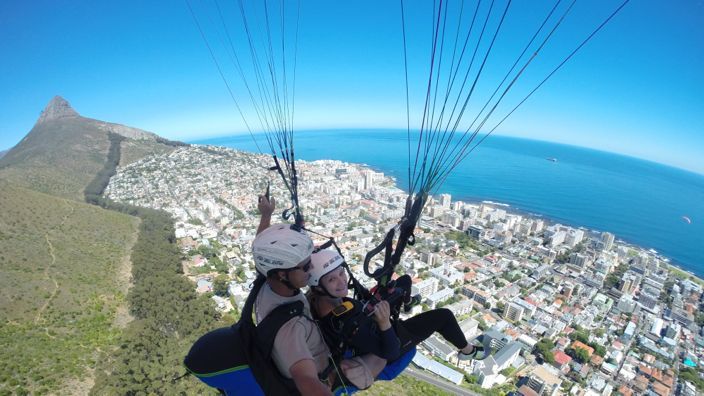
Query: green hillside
[[58, 158], [403, 385], [64, 272], [70, 293]]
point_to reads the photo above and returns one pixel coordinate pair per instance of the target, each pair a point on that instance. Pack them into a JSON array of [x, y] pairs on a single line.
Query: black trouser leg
[[418, 328]]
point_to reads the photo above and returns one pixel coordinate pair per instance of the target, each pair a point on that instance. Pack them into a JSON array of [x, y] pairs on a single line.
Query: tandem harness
[[237, 359]]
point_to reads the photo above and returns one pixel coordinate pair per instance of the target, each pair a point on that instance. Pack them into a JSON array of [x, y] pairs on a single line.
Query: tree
[[580, 354], [544, 348], [220, 285], [471, 379], [580, 335], [482, 324], [691, 375], [239, 273], [219, 265], [598, 349], [508, 371], [700, 319], [195, 221]]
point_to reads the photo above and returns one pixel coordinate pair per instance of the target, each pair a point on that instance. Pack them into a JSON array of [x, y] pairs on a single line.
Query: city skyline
[[633, 89]]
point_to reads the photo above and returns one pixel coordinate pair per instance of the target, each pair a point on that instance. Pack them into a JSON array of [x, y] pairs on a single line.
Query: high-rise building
[[574, 237], [513, 312], [538, 226], [451, 218], [626, 285], [536, 384], [426, 287], [608, 239], [436, 211], [578, 259], [445, 200], [475, 231], [428, 258], [567, 291], [557, 238], [368, 179]]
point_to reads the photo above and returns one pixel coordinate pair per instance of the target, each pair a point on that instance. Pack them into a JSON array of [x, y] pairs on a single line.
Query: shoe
[[479, 351], [415, 300]]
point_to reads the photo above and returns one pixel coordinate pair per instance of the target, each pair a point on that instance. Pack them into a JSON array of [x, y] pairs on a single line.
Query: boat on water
[[551, 159]]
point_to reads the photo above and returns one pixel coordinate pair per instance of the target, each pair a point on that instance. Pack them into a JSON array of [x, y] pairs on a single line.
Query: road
[[440, 383]]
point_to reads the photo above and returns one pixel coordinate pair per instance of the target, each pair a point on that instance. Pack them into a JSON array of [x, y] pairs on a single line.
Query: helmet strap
[[288, 283]]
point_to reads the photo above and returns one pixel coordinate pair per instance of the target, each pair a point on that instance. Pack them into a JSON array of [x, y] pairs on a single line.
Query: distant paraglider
[[687, 219]]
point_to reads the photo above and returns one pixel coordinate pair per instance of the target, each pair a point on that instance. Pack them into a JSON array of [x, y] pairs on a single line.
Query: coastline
[[553, 219], [672, 267], [667, 261]]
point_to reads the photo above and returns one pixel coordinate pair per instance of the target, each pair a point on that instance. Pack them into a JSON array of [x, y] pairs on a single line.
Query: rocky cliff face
[[64, 151], [57, 108]]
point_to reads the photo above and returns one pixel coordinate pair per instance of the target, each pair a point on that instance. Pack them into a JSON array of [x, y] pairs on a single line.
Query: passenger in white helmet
[[328, 282]]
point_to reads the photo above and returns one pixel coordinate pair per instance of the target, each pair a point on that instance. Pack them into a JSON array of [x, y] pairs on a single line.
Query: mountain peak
[[57, 108]]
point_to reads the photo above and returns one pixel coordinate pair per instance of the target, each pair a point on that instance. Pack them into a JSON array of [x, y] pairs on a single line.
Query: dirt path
[[51, 265], [124, 279]]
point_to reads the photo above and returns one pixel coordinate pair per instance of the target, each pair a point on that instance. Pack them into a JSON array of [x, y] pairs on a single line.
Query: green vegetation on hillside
[[64, 265], [62, 156], [58, 158], [95, 188], [403, 385], [169, 317], [61, 287]]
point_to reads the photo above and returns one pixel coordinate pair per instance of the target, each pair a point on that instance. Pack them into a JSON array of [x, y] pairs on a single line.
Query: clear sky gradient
[[637, 88]]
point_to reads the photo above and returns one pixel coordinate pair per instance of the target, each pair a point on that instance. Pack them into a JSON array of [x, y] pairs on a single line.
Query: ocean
[[641, 202]]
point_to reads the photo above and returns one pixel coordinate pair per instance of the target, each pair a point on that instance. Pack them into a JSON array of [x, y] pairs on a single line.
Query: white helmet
[[322, 263], [280, 247]]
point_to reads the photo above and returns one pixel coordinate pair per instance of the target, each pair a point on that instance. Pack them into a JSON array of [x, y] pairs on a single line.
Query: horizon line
[[699, 173]]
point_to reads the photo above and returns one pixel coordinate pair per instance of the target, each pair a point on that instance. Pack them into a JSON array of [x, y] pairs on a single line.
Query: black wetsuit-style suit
[[365, 337]]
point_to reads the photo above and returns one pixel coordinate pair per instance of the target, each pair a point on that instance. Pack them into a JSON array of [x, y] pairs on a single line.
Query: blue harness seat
[[237, 381], [391, 371], [217, 359]]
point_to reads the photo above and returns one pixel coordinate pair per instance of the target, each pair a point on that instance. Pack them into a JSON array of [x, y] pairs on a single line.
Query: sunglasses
[[305, 267]]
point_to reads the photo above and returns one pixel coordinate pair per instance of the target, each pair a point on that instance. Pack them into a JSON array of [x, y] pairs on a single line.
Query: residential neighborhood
[[566, 310]]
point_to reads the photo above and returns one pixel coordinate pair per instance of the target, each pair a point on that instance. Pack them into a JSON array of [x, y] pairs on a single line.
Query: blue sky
[[636, 88]]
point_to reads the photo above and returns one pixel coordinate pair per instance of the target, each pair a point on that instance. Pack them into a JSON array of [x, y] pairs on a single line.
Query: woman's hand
[[382, 314]]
